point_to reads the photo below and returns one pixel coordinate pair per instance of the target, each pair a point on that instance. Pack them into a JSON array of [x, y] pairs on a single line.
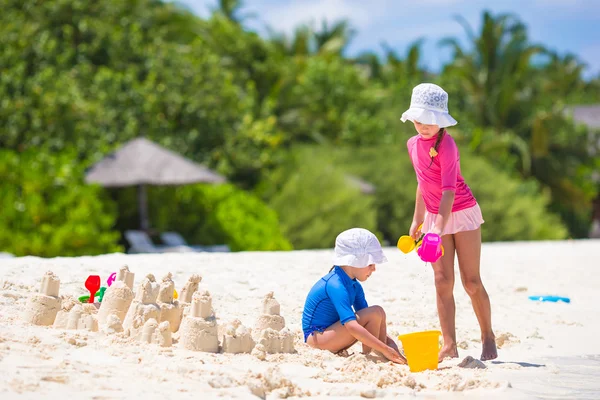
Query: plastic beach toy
[[99, 295], [552, 299], [92, 284], [431, 248], [111, 279], [406, 244], [421, 349]]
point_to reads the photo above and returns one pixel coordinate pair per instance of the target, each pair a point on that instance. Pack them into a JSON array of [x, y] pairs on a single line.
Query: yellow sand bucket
[[421, 349]]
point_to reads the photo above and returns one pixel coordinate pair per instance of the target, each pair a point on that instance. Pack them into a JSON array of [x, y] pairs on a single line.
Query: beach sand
[[546, 350]]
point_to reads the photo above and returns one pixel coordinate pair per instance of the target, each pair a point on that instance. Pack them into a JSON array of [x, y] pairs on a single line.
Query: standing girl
[[445, 205]]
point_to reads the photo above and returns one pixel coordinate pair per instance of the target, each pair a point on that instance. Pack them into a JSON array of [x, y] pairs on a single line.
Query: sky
[[565, 26]]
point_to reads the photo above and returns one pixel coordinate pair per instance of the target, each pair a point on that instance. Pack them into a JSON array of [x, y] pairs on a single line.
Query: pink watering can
[[431, 248]]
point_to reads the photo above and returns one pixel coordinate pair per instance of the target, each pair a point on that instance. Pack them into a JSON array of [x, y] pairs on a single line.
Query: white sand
[[542, 344]]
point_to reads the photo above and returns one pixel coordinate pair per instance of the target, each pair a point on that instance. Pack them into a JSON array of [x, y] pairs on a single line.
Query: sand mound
[[42, 307]]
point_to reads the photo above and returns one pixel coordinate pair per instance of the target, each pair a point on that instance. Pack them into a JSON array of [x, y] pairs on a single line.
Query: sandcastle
[[118, 297], [199, 328], [169, 309], [270, 317], [156, 333], [62, 317], [42, 307], [75, 315], [272, 337], [237, 338], [272, 342], [143, 307]]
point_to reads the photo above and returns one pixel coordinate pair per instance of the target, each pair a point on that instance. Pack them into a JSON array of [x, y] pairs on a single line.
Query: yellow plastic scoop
[[406, 244]]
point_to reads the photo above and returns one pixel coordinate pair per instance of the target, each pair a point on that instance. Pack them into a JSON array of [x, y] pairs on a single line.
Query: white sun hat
[[358, 247], [429, 106]]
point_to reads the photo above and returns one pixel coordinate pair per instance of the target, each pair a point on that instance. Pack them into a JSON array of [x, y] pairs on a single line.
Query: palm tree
[[231, 9], [495, 71], [300, 43], [408, 69], [333, 39], [496, 81]]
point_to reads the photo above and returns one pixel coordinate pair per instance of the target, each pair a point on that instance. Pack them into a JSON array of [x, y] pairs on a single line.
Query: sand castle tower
[[199, 328], [143, 307], [125, 276], [169, 309], [187, 293], [75, 315], [190, 287], [237, 338], [62, 317], [270, 317], [83, 316], [42, 307], [273, 342], [118, 297], [156, 333]]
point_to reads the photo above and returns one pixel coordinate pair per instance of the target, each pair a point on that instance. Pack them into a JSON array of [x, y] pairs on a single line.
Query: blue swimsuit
[[330, 300]]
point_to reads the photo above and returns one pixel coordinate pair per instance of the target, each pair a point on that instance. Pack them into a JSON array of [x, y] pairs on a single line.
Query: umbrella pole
[[143, 207]]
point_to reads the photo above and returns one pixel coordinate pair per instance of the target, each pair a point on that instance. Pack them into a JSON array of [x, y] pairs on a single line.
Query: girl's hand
[[414, 231], [393, 355]]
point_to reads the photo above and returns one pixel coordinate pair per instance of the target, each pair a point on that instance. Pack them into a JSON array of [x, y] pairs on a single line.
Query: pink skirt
[[468, 219]]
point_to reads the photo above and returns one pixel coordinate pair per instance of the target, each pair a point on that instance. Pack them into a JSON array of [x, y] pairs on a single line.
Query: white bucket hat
[[429, 105], [358, 247]]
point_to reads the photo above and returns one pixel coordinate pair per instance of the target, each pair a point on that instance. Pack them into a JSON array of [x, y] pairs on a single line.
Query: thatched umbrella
[[141, 162]]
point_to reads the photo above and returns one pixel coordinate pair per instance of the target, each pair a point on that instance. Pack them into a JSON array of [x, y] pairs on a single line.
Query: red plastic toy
[[92, 284]]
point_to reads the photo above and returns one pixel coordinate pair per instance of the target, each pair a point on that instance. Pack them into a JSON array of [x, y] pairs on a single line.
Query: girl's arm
[[366, 338], [419, 214], [444, 211]]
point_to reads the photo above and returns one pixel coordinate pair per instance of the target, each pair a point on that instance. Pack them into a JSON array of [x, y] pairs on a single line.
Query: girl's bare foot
[[448, 351], [489, 351]]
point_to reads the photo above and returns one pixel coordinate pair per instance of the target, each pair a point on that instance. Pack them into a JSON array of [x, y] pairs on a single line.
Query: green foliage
[[512, 209], [316, 200], [92, 75], [46, 210], [325, 100], [208, 215]]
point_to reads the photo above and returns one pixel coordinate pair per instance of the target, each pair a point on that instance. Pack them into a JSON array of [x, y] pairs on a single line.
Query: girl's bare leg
[[468, 249], [443, 270]]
